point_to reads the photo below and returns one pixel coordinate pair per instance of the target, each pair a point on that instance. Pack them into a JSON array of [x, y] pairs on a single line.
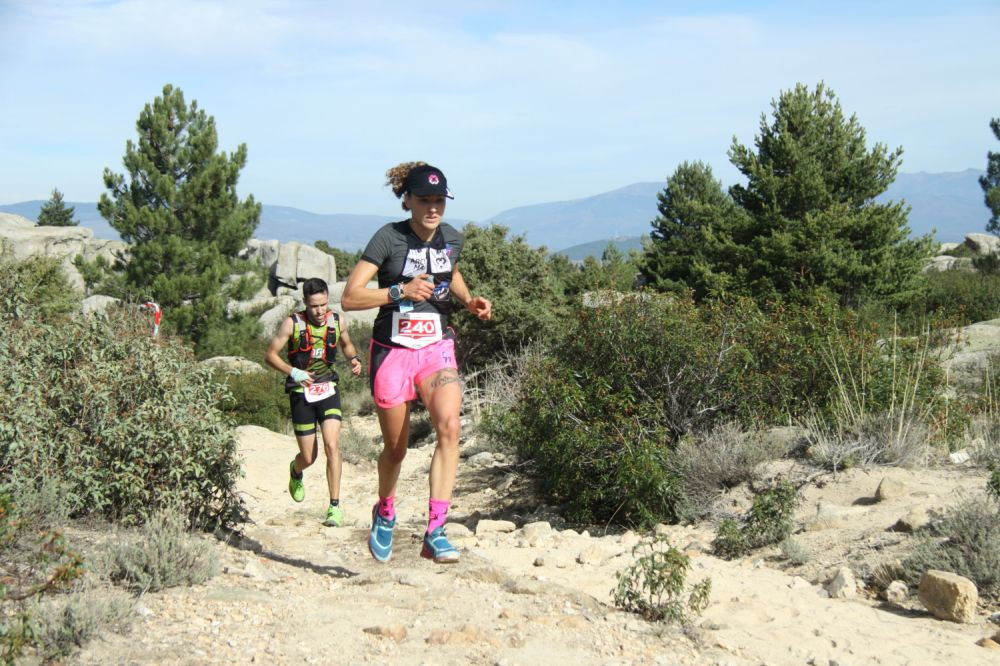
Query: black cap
[[427, 181]]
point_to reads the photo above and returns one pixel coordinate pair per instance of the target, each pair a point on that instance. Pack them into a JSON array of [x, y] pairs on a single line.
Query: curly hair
[[396, 178]]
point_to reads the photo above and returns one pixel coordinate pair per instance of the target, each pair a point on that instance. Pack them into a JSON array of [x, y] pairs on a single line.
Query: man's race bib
[[416, 329], [317, 392]]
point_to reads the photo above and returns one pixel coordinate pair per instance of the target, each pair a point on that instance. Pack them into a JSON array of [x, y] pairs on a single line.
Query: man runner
[[310, 338]]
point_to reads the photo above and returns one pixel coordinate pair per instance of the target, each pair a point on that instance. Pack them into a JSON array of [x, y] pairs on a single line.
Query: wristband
[[298, 375], [356, 357]]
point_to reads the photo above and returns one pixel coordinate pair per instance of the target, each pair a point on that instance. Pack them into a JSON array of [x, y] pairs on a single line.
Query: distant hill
[[951, 203], [623, 212], [349, 232], [596, 248]]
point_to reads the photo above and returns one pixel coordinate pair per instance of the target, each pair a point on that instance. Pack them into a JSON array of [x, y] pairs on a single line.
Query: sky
[[519, 102]]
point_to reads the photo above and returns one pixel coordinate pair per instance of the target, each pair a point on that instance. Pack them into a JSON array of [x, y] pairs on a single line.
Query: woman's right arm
[[357, 295]]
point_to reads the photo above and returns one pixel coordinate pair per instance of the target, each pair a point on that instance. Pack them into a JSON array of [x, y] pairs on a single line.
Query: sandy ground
[[295, 591]]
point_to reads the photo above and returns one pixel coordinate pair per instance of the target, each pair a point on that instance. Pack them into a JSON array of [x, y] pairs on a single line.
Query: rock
[[457, 530], [949, 596], [487, 526], [271, 320], [256, 571], [988, 643], [143, 611], [396, 632], [539, 561], [946, 262], [97, 304], [486, 574], [947, 247], [959, 457], [465, 635], [915, 518], [896, 593], [831, 516], [968, 353], [536, 530], [233, 365], [844, 585], [596, 554], [983, 244], [63, 243], [889, 489], [629, 540], [481, 459]]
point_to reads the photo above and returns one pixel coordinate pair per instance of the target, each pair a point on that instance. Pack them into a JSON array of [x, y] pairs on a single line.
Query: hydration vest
[[303, 349]]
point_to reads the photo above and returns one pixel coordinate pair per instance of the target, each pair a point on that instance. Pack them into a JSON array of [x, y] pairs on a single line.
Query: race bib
[[317, 392], [416, 329]]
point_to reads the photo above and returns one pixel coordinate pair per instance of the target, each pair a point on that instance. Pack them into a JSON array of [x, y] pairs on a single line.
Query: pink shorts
[[396, 372]]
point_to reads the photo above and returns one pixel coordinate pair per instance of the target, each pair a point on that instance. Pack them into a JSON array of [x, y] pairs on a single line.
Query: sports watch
[[396, 292]]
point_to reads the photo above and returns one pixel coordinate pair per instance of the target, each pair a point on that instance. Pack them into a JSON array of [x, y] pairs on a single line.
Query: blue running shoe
[[380, 539], [437, 548]]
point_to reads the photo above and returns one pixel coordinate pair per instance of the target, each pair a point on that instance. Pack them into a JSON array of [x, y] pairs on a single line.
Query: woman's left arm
[[477, 305]]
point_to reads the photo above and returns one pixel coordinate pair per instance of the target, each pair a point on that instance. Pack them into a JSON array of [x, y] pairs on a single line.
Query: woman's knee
[[394, 453], [449, 429]]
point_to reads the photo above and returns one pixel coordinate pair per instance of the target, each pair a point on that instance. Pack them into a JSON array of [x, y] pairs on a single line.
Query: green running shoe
[[296, 488], [334, 517]]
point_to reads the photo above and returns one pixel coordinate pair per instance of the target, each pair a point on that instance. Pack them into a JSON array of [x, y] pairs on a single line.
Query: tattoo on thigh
[[445, 377]]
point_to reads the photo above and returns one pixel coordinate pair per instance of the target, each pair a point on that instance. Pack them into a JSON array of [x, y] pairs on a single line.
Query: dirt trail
[[295, 591]]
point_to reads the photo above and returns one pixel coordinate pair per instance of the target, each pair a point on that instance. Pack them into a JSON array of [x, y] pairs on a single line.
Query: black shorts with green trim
[[305, 415]]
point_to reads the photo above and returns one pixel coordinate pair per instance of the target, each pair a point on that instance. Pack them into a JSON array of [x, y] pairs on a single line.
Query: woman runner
[[412, 350]]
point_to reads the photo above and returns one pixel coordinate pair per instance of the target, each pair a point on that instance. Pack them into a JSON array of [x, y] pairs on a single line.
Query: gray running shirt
[[400, 256]]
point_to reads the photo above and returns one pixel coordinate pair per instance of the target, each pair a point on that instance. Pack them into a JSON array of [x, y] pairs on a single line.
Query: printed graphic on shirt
[[416, 262], [442, 291], [440, 260]]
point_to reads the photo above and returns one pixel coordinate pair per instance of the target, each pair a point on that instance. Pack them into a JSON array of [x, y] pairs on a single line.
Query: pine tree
[[693, 244], [55, 213], [991, 182], [179, 209], [805, 221]]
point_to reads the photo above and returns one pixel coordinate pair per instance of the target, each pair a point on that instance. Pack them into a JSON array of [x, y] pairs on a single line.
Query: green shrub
[[965, 541], [238, 335], [255, 398], [654, 585], [956, 297], [527, 299], [603, 411], [126, 422], [988, 264], [37, 284], [769, 521], [161, 554], [993, 483]]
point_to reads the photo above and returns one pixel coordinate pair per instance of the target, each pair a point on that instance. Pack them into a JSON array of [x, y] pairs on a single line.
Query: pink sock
[[387, 507], [437, 511]]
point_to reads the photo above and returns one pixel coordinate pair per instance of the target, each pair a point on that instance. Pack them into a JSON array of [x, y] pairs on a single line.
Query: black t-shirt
[[400, 256]]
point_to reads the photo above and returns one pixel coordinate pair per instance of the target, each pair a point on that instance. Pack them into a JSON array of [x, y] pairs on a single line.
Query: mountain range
[[948, 204]]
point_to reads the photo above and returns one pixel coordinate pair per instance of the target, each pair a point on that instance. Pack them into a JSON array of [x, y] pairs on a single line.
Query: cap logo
[[433, 179]]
